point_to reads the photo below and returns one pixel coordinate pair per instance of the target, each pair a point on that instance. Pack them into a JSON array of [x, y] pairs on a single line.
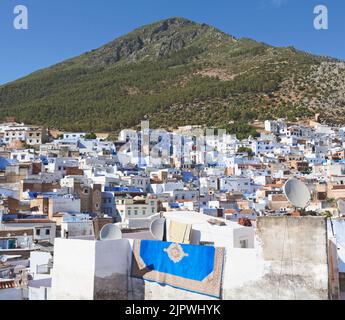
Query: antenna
[[297, 193], [157, 229], [110, 232]]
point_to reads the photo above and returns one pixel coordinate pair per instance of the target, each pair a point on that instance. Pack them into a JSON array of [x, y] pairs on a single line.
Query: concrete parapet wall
[[290, 261]]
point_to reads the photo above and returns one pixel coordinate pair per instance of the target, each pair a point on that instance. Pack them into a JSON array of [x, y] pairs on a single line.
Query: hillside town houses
[[57, 191]]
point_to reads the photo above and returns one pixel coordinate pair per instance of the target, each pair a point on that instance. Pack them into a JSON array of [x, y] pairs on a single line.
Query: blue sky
[[61, 29]]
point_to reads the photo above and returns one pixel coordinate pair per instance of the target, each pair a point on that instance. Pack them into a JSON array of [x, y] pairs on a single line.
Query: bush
[[90, 136]]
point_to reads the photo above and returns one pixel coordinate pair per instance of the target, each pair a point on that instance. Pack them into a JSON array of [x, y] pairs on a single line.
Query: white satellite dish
[[341, 206], [157, 229], [110, 232], [297, 193], [3, 259]]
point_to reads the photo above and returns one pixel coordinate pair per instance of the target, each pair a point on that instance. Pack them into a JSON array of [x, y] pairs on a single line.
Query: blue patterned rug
[[188, 267]]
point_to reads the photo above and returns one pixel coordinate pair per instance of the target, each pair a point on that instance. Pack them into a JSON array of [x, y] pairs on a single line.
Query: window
[[129, 212], [243, 244], [38, 232], [136, 212], [47, 232]]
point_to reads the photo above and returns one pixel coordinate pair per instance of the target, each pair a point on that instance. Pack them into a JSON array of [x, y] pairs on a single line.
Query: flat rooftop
[[193, 217]]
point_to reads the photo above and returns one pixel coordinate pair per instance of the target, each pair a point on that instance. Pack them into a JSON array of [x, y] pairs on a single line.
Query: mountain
[[177, 72]]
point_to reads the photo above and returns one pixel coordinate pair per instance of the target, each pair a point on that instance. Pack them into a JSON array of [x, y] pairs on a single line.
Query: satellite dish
[[3, 259], [110, 232], [297, 193], [341, 206], [157, 229]]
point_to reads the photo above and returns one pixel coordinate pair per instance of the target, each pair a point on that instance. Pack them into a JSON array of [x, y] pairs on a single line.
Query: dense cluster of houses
[[67, 186]]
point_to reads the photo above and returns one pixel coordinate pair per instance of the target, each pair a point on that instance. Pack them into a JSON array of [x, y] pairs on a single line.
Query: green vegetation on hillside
[[174, 72]]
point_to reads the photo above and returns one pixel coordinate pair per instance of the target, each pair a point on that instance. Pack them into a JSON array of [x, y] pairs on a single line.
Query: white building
[[241, 184], [77, 226], [23, 155], [137, 207]]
